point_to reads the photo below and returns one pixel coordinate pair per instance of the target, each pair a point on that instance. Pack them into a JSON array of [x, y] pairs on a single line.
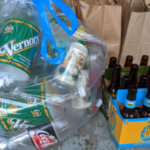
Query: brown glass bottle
[[148, 73], [143, 81], [115, 79], [112, 62], [125, 82], [146, 109], [129, 106], [133, 74], [129, 60], [144, 60]]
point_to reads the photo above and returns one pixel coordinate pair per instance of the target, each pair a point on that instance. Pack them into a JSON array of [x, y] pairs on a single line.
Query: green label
[[18, 114], [125, 71], [19, 43], [106, 96]]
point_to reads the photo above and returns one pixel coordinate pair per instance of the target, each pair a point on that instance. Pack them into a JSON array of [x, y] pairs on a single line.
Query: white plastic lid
[[99, 103], [81, 91], [79, 46], [1, 82], [93, 57], [8, 82]]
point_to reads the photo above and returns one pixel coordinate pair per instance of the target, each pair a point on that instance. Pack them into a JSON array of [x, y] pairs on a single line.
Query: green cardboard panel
[[125, 71]]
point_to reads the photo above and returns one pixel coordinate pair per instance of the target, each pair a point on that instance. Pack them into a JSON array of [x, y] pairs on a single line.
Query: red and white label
[[43, 141]]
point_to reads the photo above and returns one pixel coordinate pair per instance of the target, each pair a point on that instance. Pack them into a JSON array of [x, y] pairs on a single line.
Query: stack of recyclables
[[41, 104]]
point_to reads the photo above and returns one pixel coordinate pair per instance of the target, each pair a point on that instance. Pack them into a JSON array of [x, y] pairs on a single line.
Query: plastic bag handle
[[68, 12], [47, 29]]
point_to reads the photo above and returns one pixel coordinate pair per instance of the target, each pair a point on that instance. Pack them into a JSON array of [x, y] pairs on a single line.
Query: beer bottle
[[125, 82], [143, 81], [133, 74], [115, 79], [128, 62], [112, 62], [130, 104], [148, 73], [144, 60], [146, 109]]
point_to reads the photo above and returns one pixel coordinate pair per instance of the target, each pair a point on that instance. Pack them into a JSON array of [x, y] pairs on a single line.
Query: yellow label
[[36, 113], [130, 104], [13, 109], [125, 69]]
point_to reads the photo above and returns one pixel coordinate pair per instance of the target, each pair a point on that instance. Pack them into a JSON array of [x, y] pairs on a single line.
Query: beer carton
[[128, 132], [106, 95]]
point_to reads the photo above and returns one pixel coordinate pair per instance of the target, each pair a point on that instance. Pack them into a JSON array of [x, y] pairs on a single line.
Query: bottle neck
[[133, 77], [124, 84], [115, 82], [131, 96], [144, 63], [128, 64], [111, 65]]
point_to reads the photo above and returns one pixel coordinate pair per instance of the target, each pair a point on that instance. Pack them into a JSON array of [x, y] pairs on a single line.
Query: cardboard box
[[106, 95], [128, 132]]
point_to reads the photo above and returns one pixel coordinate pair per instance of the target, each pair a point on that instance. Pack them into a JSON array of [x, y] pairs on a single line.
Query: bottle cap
[[144, 78], [117, 67], [129, 58], [99, 103], [93, 57], [79, 46], [8, 82], [145, 58], [113, 59], [134, 67], [1, 83], [81, 91]]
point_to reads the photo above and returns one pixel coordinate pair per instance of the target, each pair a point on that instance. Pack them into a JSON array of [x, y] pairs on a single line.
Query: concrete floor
[[94, 135]]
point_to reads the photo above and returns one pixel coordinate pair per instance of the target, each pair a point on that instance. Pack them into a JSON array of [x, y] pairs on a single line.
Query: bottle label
[[52, 52], [19, 43], [25, 112], [70, 68], [129, 104], [43, 136], [87, 63], [85, 102], [147, 102]]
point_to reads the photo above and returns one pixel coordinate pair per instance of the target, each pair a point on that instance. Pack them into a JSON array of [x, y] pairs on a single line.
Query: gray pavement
[[94, 135]]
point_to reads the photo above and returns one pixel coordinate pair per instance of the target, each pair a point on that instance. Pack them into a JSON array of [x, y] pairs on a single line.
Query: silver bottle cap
[[81, 91]]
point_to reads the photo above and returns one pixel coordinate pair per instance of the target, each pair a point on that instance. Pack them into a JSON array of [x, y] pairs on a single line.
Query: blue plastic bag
[[47, 29]]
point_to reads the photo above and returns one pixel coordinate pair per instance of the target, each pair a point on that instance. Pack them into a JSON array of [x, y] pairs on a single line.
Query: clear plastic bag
[[44, 106]]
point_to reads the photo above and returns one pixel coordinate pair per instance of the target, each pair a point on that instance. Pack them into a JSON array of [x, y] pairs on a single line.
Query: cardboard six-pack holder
[[128, 132], [106, 95]]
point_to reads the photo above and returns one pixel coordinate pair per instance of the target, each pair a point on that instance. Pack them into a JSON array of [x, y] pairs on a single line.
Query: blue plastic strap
[[147, 102], [67, 11], [47, 29], [129, 104]]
